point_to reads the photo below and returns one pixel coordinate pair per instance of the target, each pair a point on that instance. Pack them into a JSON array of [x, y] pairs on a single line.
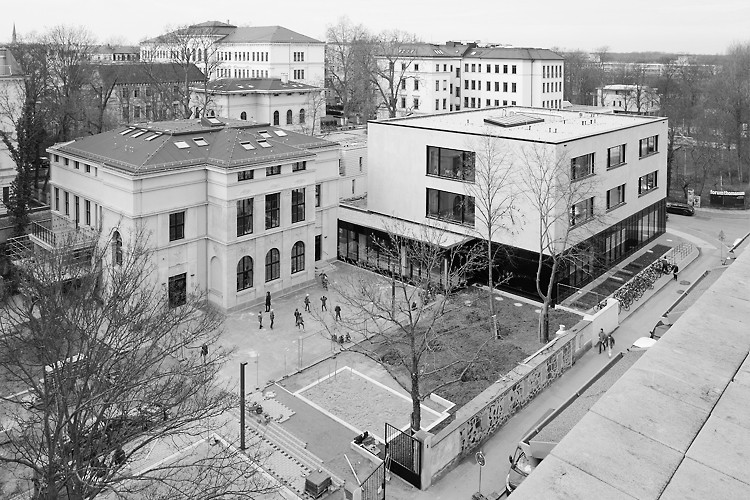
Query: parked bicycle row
[[634, 289]]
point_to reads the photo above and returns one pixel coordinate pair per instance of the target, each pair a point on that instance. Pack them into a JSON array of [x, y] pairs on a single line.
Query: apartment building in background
[[631, 98], [233, 208], [420, 175], [443, 78], [11, 100], [242, 52]]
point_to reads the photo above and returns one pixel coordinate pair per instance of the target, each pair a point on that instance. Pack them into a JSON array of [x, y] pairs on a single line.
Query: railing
[[59, 232]]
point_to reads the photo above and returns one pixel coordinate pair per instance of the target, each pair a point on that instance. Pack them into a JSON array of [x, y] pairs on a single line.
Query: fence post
[[425, 472]]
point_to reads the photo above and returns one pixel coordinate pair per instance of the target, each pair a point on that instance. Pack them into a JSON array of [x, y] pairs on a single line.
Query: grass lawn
[[466, 328]]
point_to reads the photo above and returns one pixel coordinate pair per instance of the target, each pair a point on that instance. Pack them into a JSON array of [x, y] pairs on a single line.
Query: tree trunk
[[416, 407], [490, 285]]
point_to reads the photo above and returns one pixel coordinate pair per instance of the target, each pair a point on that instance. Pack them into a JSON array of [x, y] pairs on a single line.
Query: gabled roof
[[116, 49], [512, 53], [11, 66], [212, 24], [250, 85], [137, 73], [171, 145], [267, 34], [425, 50]]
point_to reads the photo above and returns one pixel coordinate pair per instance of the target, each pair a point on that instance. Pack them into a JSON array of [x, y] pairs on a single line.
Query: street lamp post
[[242, 405]]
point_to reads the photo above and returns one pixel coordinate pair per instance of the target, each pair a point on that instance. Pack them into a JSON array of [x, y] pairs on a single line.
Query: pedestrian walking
[[260, 320], [338, 312], [268, 301], [271, 316], [674, 271], [602, 340], [297, 314], [300, 321], [323, 306], [610, 343], [307, 303]]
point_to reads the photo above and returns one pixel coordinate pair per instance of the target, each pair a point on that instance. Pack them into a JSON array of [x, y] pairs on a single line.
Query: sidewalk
[[463, 480]]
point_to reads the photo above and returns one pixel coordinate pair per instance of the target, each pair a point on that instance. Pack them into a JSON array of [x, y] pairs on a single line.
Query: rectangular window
[[648, 146], [57, 199], [616, 196], [77, 209], [581, 212], [416, 67], [616, 156], [318, 247], [87, 211], [275, 170], [244, 217], [416, 103], [76, 165], [512, 87], [647, 183], [473, 102], [87, 168], [6, 196], [298, 166], [317, 195], [67, 203], [437, 104], [466, 68], [505, 68], [505, 86], [177, 290], [497, 86], [403, 102], [466, 84], [489, 68], [298, 205], [581, 166], [66, 161], [245, 175], [360, 163], [473, 85], [176, 226], [273, 210], [437, 85], [513, 69], [452, 207]]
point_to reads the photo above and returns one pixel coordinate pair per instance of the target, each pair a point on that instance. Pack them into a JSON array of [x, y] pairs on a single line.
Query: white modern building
[[233, 208], [421, 173], [630, 98], [244, 52], [288, 104], [443, 78]]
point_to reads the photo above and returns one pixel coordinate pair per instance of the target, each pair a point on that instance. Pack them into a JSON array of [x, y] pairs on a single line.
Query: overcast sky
[[684, 26]]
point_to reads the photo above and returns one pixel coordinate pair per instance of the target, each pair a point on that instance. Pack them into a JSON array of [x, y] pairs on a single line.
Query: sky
[[675, 26]]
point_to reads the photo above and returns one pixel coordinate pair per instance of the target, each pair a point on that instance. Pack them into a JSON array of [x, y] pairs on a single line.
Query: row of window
[[477, 85], [552, 71], [273, 266], [584, 210], [241, 73], [299, 57], [583, 166], [77, 165], [554, 103], [550, 87], [478, 68], [277, 117], [451, 163], [299, 74], [88, 218], [223, 55], [451, 207], [476, 102]]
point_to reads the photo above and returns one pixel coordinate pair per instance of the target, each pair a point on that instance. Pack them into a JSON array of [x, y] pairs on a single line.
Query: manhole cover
[[517, 304], [684, 282]]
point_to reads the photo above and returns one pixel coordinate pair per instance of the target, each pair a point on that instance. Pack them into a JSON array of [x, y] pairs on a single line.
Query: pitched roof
[[115, 49], [135, 73], [261, 34], [512, 53], [422, 50], [11, 66], [212, 24], [249, 85], [171, 145]]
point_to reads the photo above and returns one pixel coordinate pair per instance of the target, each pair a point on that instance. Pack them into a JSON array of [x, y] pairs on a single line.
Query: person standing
[[610, 343], [307, 303], [323, 306], [338, 312], [271, 316], [297, 314], [268, 301], [602, 340], [260, 320], [300, 321], [674, 271]]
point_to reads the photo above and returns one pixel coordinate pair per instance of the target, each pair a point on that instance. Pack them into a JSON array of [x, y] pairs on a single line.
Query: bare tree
[[494, 194], [389, 65], [315, 106], [108, 364], [561, 194], [403, 320]]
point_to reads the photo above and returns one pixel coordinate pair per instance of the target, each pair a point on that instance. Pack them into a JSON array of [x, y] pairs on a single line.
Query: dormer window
[[181, 145], [200, 141], [247, 145], [264, 133]]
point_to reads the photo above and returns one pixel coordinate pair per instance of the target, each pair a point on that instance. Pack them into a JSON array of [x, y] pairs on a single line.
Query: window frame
[[245, 175], [245, 273], [245, 210], [298, 205], [468, 164], [588, 215], [649, 149], [467, 206], [298, 257], [644, 182], [273, 210], [575, 167], [621, 155], [177, 290], [620, 190], [273, 170], [273, 265], [177, 226]]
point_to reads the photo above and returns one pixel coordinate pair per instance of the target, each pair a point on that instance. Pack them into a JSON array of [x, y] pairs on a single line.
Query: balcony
[[58, 233]]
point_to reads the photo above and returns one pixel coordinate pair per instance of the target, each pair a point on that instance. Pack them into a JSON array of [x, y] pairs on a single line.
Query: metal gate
[[403, 455], [373, 488]]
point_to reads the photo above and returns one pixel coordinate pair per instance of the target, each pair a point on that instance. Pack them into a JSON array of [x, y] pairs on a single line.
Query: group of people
[[299, 321], [606, 341]]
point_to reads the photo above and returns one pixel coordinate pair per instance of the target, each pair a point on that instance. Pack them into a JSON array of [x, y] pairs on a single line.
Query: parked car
[[675, 207]]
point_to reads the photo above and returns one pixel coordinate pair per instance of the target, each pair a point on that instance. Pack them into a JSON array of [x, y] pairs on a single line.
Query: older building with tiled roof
[[245, 52], [233, 208]]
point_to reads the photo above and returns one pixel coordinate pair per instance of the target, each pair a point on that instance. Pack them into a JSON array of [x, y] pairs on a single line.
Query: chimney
[[284, 78]]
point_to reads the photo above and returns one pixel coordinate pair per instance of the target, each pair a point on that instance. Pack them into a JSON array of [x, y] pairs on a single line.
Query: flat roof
[[250, 85], [675, 425], [550, 125]]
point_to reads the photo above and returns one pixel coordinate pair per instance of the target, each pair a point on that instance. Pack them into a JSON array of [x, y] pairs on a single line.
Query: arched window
[[200, 55], [302, 116], [298, 257], [289, 117], [211, 112], [244, 273], [275, 117], [117, 248], [273, 265], [243, 116]]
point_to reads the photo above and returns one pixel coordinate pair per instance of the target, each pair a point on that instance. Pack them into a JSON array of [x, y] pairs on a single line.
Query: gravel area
[[362, 403]]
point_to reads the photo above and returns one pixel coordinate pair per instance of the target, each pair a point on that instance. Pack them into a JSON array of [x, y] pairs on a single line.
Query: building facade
[[233, 209], [631, 98], [11, 104], [443, 78], [421, 172], [243, 52]]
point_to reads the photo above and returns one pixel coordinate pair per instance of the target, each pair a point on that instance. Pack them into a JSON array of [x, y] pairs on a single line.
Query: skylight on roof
[[200, 141], [152, 136], [263, 143], [264, 133], [513, 120], [213, 121], [181, 144], [247, 145], [280, 133], [127, 131], [139, 133]]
